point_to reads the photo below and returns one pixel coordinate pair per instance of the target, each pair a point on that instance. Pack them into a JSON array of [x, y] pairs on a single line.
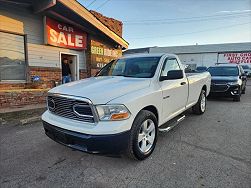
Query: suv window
[[169, 64]]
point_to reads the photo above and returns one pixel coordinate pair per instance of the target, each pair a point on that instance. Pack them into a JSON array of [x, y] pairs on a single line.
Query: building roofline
[[191, 49], [201, 45], [89, 17]]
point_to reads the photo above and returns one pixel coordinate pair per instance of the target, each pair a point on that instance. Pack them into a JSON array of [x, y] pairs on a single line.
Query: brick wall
[[21, 94], [94, 72], [115, 25], [20, 98], [46, 74], [83, 74], [5, 86]]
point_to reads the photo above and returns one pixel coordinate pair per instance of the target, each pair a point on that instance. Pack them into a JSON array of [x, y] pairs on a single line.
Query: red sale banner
[[64, 35]]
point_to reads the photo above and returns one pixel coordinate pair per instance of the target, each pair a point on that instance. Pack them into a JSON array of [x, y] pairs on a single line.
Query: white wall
[[202, 59], [206, 55]]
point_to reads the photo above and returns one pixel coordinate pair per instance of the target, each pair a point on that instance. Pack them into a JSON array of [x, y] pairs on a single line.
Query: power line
[[184, 18], [185, 21], [201, 31], [91, 3], [102, 4]]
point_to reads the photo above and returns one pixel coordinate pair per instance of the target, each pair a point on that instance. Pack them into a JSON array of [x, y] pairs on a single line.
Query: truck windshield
[[138, 67], [223, 71]]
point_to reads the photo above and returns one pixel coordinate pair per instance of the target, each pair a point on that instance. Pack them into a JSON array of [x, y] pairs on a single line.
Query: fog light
[[235, 92]]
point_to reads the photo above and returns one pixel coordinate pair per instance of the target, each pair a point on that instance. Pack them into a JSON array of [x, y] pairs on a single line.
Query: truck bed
[[196, 82], [189, 74]]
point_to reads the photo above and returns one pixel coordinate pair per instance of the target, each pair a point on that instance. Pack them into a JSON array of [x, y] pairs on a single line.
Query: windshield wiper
[[130, 76], [124, 75], [119, 75]]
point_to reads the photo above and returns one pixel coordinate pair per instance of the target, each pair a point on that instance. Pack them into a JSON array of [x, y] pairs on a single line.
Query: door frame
[[171, 83], [77, 63]]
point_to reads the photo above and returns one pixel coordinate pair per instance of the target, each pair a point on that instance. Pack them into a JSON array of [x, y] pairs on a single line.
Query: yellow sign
[[105, 52], [97, 50]]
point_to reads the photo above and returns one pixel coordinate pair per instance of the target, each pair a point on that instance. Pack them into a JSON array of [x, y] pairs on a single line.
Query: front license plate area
[[61, 137]]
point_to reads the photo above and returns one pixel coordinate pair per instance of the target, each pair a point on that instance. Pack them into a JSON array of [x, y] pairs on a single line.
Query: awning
[[86, 15]]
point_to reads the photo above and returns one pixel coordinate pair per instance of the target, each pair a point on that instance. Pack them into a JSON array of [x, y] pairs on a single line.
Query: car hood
[[101, 90], [224, 78]]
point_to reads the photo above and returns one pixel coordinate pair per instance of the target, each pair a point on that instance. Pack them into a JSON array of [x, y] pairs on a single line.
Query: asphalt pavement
[[212, 150]]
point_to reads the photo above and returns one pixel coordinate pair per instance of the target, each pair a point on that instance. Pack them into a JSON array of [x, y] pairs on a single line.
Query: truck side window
[[169, 64]]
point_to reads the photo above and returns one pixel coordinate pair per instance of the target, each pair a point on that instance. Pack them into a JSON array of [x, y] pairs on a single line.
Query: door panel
[[174, 92], [174, 96]]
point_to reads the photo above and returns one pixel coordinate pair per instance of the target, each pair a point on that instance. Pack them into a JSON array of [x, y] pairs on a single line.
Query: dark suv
[[228, 80]]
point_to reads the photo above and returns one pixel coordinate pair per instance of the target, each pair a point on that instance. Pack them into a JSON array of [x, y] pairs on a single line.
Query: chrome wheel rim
[[146, 135], [203, 102]]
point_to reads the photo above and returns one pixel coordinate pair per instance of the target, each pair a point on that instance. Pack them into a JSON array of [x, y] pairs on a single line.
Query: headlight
[[233, 83], [112, 112]]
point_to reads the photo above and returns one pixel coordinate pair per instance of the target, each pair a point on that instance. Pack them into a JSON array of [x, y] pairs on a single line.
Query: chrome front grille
[[71, 108]]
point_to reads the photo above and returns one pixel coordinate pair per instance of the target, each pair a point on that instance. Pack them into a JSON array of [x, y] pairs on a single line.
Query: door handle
[[183, 83]]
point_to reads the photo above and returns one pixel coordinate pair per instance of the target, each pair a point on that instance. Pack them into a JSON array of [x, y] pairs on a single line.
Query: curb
[[21, 122], [30, 120], [22, 117]]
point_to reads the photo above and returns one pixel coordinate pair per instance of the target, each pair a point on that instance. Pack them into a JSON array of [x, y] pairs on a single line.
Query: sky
[[149, 23]]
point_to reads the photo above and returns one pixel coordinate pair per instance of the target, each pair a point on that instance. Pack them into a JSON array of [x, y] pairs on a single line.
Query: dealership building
[[36, 35], [205, 55]]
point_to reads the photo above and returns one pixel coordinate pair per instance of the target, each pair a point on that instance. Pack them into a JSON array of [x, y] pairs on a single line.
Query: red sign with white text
[[238, 58], [64, 35]]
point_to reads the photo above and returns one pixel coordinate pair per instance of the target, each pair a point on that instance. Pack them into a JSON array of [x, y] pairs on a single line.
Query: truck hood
[[101, 90], [224, 79]]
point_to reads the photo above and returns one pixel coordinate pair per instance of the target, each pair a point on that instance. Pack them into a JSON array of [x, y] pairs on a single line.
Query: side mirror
[[172, 75]]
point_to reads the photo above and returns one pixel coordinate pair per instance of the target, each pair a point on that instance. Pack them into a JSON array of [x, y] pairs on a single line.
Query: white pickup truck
[[124, 106]]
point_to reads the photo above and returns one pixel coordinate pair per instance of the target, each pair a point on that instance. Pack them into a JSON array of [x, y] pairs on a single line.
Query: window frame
[[166, 59], [241, 70], [26, 79]]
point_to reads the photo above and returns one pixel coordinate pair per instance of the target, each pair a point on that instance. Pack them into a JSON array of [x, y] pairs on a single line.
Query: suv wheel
[[237, 98], [144, 135]]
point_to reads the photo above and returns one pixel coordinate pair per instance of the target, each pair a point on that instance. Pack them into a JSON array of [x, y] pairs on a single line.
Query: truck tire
[[243, 91], [200, 107], [144, 134]]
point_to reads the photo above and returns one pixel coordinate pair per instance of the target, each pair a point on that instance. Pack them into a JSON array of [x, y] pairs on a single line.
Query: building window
[[12, 58]]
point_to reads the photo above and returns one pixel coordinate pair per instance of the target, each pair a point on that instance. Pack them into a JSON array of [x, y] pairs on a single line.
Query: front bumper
[[225, 90], [113, 143]]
